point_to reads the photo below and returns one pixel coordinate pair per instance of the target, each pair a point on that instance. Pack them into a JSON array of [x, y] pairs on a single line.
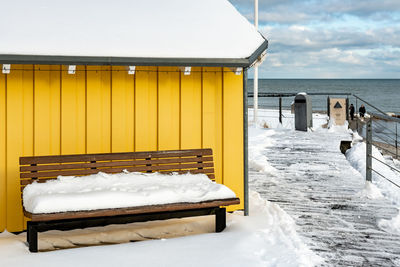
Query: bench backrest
[[43, 168]]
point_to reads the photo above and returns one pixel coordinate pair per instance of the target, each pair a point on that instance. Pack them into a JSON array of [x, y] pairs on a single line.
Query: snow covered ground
[[266, 238], [379, 187], [342, 218], [319, 211]]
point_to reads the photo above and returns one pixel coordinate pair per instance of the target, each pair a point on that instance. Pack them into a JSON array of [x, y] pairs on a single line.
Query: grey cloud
[[329, 63], [362, 8], [310, 39], [319, 53], [289, 11], [296, 38]]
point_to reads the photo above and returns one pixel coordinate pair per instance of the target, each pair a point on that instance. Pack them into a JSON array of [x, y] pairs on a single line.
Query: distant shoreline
[[365, 79], [314, 111]]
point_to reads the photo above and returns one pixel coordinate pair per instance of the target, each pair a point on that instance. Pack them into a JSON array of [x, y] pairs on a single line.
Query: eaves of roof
[[134, 61]]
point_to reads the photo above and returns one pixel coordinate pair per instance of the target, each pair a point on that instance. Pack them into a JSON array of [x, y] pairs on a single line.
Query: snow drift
[[265, 238]]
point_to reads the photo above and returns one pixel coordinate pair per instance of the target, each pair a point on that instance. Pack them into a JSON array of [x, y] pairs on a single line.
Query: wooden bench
[[43, 168]]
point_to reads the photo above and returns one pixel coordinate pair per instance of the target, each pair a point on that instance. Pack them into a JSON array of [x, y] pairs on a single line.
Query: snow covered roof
[[151, 32]]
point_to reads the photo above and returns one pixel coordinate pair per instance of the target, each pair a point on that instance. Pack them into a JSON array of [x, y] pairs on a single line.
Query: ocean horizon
[[382, 93]]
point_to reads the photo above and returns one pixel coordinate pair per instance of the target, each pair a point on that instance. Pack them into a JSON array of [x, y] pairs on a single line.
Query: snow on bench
[[78, 191], [121, 190]]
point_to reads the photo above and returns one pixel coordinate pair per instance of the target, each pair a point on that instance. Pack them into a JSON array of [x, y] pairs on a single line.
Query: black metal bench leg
[[27, 232], [32, 237], [220, 219]]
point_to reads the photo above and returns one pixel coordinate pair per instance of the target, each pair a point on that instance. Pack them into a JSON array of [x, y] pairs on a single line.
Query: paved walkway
[[316, 185]]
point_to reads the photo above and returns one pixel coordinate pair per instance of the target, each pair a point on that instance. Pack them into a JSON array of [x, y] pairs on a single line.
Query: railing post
[[355, 111], [245, 147], [280, 110], [396, 144], [368, 171]]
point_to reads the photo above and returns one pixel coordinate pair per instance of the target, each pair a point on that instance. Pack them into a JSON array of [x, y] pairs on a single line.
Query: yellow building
[[94, 86]]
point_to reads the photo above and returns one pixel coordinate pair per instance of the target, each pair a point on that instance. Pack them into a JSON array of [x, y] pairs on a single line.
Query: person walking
[[362, 111], [352, 111]]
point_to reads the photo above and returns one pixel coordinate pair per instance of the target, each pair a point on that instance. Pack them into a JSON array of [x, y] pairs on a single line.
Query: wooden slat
[[208, 172], [113, 156], [135, 210], [114, 163], [178, 161], [116, 170], [195, 171], [211, 176]]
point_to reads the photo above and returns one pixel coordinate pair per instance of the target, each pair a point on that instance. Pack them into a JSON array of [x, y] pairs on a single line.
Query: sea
[[382, 93]]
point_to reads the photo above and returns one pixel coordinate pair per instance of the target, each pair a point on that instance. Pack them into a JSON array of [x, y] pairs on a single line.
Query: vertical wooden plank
[[47, 109], [146, 109], [98, 109], [168, 108], [233, 133], [3, 177], [212, 116], [122, 94], [73, 111], [191, 110], [19, 137]]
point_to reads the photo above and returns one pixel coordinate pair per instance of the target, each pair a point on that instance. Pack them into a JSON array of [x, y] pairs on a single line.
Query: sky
[[328, 39]]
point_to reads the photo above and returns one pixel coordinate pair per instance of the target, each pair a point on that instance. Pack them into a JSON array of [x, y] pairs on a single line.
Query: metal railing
[[388, 142]]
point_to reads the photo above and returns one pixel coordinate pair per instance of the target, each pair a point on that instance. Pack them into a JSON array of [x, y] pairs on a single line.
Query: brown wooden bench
[[44, 168]]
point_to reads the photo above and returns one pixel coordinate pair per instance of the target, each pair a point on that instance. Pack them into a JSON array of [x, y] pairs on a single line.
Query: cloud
[[333, 38], [303, 38], [363, 8], [300, 11]]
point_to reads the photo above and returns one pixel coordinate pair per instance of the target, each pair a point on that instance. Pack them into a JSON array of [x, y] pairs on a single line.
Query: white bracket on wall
[[237, 70], [131, 70], [71, 69], [6, 68], [186, 70]]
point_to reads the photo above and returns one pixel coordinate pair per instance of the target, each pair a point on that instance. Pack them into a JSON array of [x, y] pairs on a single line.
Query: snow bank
[[357, 158], [265, 238], [370, 191], [333, 128], [278, 231], [104, 191], [356, 137], [391, 226], [258, 141]]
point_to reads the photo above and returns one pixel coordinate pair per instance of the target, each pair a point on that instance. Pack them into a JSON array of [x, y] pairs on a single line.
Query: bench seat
[[44, 168], [129, 211]]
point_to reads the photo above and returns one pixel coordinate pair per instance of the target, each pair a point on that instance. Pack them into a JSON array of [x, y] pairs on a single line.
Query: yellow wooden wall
[[46, 111]]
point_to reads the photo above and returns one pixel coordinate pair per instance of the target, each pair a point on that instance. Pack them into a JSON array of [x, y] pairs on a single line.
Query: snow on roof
[[126, 28]]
